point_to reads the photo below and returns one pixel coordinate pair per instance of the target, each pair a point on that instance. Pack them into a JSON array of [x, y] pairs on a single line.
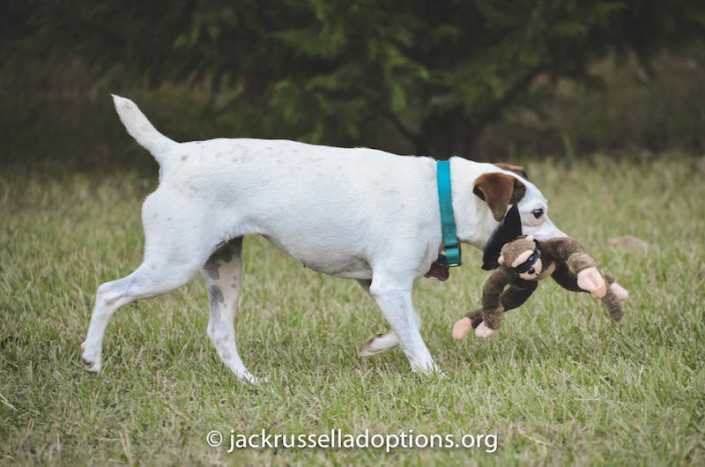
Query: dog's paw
[[483, 332], [91, 360], [248, 377], [428, 369], [91, 366], [377, 344], [592, 281]]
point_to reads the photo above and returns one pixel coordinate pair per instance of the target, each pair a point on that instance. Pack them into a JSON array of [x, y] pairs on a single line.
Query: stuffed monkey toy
[[522, 263]]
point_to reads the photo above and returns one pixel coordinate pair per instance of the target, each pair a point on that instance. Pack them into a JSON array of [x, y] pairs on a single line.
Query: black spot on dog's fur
[[222, 255], [216, 296]]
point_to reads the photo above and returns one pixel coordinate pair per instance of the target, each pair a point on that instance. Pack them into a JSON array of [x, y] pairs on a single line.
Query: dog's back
[[311, 201]]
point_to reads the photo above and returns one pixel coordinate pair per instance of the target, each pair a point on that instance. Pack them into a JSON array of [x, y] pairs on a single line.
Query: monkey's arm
[[494, 301], [510, 299], [567, 250], [570, 252], [569, 280], [566, 278]]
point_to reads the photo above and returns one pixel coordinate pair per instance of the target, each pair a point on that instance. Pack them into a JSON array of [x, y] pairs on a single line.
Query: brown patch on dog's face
[[498, 190], [519, 188], [518, 192]]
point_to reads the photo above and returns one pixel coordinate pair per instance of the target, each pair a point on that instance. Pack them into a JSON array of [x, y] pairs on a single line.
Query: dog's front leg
[[393, 296], [381, 342]]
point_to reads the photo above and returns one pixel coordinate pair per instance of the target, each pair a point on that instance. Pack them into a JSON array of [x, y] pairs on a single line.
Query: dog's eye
[[537, 213]]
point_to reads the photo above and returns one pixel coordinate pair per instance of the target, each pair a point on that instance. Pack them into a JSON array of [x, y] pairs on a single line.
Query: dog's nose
[[547, 231], [540, 236]]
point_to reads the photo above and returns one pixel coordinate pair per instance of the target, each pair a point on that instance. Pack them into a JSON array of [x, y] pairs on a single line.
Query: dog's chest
[[349, 268]]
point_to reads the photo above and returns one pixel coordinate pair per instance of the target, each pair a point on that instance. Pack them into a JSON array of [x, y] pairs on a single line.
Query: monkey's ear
[[497, 190], [530, 238], [500, 260], [517, 169]]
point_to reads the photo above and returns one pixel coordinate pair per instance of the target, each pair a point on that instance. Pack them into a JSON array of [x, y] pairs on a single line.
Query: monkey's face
[[523, 257], [533, 272]]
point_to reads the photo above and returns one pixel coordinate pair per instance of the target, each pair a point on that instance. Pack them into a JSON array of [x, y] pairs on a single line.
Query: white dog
[[354, 213]]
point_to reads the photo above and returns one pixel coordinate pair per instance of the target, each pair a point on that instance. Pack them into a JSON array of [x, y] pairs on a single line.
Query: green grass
[[559, 384]]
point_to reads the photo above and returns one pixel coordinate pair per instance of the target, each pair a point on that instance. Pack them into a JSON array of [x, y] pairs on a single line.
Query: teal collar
[[445, 200]]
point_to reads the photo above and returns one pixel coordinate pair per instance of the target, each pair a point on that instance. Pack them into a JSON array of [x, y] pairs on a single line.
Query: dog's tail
[[141, 129]]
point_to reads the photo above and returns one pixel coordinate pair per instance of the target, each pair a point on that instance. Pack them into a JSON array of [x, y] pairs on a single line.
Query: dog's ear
[[517, 169], [498, 190]]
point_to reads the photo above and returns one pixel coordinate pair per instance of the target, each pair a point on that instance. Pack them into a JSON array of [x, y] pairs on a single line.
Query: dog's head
[[511, 188]]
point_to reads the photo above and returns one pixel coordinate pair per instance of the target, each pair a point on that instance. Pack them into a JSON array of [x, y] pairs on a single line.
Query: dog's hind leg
[[173, 255], [384, 341], [148, 280], [223, 275]]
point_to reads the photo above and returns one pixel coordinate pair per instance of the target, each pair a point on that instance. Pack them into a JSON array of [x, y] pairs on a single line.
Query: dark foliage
[[342, 72]]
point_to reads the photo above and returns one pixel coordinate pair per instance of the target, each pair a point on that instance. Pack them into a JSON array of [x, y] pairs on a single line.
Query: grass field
[[559, 384]]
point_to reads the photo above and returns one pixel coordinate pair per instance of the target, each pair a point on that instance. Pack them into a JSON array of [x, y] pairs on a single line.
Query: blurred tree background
[[485, 79]]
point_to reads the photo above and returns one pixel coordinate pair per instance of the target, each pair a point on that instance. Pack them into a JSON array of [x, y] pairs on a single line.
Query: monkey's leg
[[510, 299], [566, 278], [475, 317]]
